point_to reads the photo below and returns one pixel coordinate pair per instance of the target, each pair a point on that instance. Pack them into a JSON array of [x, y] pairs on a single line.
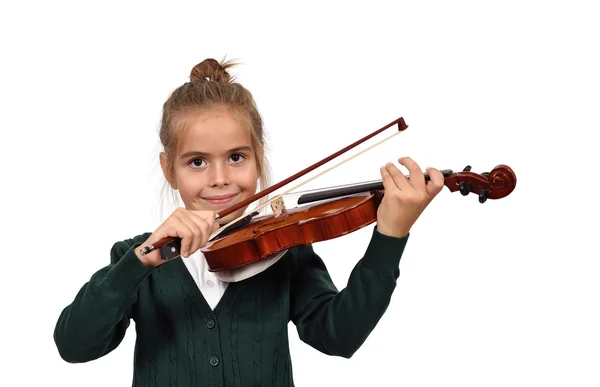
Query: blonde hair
[[211, 87]]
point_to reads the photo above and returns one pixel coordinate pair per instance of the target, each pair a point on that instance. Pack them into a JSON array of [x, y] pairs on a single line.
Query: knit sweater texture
[[181, 341]]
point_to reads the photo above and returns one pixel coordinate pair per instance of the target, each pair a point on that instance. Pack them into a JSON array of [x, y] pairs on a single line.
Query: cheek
[[189, 187], [248, 180]]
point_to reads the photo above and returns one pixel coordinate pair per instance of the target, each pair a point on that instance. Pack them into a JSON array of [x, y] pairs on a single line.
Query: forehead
[[214, 132]]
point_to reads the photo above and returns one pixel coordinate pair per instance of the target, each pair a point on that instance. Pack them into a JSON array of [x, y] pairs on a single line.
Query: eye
[[197, 163], [237, 157]]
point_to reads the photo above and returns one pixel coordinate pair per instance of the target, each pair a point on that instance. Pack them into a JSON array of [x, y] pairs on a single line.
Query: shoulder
[[121, 247]]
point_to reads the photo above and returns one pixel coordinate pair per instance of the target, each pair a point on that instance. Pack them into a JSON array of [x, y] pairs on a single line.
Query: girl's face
[[216, 167]]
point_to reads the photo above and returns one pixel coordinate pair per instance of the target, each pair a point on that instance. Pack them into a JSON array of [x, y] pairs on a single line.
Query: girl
[[196, 328]]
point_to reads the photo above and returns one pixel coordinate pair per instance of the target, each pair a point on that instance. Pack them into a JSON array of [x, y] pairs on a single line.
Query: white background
[[504, 293]]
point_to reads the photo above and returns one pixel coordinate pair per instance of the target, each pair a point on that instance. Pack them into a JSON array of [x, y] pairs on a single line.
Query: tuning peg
[[465, 187], [484, 195], [467, 169], [485, 174]]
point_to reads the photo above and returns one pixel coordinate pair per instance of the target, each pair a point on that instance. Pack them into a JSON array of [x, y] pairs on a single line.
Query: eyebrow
[[202, 154]]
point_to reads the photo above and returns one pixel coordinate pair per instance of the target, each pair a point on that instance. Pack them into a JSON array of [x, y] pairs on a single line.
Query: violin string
[[303, 183]]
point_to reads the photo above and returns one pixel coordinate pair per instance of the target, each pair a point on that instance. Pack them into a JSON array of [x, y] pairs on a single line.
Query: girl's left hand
[[405, 199]]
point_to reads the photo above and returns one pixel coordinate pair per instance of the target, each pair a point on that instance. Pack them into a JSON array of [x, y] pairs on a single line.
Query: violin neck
[[339, 192], [332, 193]]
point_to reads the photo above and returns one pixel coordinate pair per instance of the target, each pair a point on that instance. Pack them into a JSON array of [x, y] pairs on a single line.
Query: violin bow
[[402, 126]]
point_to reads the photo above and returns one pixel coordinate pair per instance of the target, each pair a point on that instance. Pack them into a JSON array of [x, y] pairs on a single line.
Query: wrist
[[394, 233]]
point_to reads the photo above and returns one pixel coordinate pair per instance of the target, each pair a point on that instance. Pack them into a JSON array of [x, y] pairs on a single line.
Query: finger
[[388, 182], [188, 231], [176, 229], [206, 222], [208, 216], [201, 237], [435, 183], [398, 177], [417, 180]]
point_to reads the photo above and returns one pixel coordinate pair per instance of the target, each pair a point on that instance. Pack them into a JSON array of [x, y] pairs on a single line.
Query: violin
[[321, 215]]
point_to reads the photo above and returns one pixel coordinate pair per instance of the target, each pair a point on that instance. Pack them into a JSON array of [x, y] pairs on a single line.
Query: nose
[[219, 175]]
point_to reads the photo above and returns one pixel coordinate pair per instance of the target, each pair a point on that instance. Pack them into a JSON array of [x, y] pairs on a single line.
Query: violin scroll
[[498, 183]]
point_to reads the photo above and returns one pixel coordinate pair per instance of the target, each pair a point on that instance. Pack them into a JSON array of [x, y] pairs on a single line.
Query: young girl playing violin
[[196, 327]]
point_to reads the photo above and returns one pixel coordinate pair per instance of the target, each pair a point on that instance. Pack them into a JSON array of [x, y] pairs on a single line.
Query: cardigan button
[[214, 361], [210, 324]]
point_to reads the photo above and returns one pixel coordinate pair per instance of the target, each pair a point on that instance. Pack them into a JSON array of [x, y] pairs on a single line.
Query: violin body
[[269, 234]]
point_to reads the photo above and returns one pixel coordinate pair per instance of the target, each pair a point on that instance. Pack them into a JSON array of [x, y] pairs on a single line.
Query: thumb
[[435, 183]]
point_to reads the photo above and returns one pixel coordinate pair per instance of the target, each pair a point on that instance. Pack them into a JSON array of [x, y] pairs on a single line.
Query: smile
[[219, 199]]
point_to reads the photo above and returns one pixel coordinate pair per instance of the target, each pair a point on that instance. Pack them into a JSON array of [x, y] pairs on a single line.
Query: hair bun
[[211, 70]]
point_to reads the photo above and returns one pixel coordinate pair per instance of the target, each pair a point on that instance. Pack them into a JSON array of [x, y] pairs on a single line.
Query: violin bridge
[[278, 206]]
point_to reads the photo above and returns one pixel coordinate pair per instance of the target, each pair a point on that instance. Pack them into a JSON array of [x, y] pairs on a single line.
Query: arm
[[337, 323], [95, 322]]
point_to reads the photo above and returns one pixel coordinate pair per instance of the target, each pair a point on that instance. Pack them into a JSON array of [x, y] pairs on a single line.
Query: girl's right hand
[[193, 227]]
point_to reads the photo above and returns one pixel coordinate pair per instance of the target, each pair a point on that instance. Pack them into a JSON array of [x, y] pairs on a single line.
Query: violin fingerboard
[[171, 250]]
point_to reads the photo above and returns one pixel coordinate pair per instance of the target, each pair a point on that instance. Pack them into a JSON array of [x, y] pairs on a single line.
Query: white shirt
[[213, 285]]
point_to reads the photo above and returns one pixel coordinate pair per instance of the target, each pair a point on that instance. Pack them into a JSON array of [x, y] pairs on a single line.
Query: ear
[[164, 164]]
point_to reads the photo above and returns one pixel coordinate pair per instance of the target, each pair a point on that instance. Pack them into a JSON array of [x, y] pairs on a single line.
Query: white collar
[[247, 271]]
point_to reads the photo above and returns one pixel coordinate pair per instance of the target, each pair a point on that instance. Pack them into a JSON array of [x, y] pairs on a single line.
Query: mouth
[[217, 200]]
